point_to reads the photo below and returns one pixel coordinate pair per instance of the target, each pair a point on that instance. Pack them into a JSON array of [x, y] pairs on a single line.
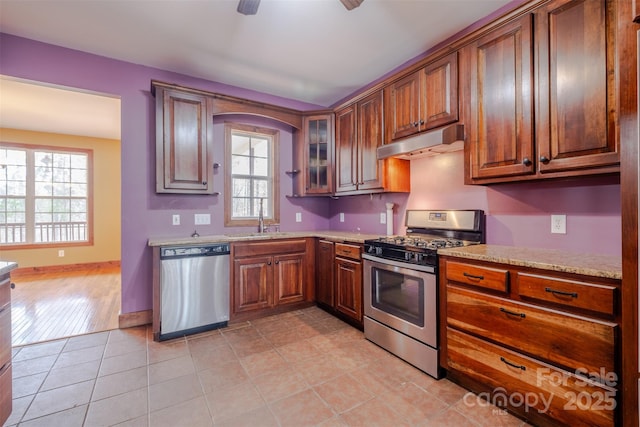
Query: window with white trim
[[251, 181], [45, 195]]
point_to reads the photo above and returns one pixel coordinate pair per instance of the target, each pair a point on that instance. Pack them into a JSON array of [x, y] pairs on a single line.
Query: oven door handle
[[393, 263]]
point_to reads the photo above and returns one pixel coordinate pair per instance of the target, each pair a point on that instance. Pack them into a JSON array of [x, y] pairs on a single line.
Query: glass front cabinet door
[[318, 158]]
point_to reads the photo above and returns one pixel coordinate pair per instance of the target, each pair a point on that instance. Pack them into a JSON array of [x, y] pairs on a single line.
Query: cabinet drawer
[[520, 380], [483, 277], [5, 334], [568, 293], [348, 251], [571, 341], [269, 248]]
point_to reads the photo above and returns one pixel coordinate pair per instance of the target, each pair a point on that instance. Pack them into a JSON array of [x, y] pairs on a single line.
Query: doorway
[[65, 288]]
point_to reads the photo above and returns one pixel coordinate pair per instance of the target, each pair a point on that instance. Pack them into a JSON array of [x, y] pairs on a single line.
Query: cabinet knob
[[544, 159], [415, 124], [268, 262], [277, 262], [204, 182], [526, 161], [421, 121], [13, 285]]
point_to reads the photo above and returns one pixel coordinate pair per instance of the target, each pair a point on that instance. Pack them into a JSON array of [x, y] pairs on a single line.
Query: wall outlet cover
[[176, 219], [559, 224], [341, 216], [383, 218], [298, 216]]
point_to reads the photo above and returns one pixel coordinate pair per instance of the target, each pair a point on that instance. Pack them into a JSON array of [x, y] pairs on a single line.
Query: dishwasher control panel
[[189, 251]]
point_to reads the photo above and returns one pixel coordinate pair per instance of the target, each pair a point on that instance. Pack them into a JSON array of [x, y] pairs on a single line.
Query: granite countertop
[[596, 265], [7, 266], [338, 236]]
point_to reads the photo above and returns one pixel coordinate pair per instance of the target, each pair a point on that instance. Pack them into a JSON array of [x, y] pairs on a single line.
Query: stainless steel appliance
[[401, 282], [194, 289]]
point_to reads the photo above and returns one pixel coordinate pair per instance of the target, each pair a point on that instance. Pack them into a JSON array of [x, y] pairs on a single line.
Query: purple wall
[[146, 214], [517, 214]]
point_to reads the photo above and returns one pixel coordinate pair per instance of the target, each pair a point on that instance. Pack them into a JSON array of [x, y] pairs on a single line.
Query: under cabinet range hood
[[441, 140]]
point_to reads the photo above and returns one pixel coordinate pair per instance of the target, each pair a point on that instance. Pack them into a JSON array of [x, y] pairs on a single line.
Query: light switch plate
[[341, 216], [383, 218], [202, 219], [298, 216], [176, 219]]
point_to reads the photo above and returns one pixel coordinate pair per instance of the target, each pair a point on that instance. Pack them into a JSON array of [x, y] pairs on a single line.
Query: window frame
[[274, 135], [30, 198]]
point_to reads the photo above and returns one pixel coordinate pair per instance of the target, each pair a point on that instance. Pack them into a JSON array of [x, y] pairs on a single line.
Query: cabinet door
[[577, 85], [346, 150], [324, 272], [501, 101], [370, 136], [318, 154], [289, 276], [348, 277], [253, 284], [440, 93], [403, 107], [182, 154]]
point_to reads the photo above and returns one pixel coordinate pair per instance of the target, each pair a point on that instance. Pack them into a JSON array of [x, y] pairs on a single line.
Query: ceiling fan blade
[[249, 7], [351, 4]]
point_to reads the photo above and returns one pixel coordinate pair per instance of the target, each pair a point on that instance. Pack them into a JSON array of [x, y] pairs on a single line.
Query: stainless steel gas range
[[401, 282]]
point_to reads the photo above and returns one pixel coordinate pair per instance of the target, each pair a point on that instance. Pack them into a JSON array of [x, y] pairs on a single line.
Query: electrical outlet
[[176, 219], [559, 224], [298, 216], [202, 219], [341, 216], [61, 253], [383, 218]]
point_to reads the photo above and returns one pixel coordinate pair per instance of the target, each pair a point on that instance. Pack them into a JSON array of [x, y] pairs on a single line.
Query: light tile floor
[[304, 368]]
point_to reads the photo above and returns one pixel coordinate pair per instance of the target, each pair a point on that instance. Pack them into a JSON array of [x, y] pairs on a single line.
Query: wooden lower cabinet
[[349, 288], [325, 255], [6, 392], [269, 277], [542, 344], [339, 280]]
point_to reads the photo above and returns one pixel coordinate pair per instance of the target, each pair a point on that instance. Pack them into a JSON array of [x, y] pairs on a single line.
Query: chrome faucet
[[261, 218]]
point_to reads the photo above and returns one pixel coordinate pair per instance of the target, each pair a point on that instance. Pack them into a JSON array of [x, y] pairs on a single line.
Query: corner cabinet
[[556, 64], [270, 277], [509, 331], [183, 153], [423, 100], [318, 154], [359, 133]]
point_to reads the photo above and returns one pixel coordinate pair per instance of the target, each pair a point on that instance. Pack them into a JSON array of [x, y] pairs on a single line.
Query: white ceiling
[[313, 51]]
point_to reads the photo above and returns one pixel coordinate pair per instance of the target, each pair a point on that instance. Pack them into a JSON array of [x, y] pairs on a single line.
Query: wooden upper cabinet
[[425, 99], [577, 99], [556, 64], [183, 155], [369, 131], [318, 154], [500, 116], [346, 150]]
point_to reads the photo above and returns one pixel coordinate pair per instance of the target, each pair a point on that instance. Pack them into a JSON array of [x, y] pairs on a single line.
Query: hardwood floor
[[51, 305]]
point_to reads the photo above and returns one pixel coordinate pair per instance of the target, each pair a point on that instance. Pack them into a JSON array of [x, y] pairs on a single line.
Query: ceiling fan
[[250, 7]]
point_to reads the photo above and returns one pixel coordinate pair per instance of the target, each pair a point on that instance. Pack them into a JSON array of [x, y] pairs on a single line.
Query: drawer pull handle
[[506, 362], [563, 293], [512, 313], [472, 276]]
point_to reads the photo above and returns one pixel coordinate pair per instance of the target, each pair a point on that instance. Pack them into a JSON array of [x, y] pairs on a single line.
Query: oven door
[[402, 296]]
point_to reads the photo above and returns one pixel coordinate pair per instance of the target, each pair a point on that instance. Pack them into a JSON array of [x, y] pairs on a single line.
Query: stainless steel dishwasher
[[194, 289]]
